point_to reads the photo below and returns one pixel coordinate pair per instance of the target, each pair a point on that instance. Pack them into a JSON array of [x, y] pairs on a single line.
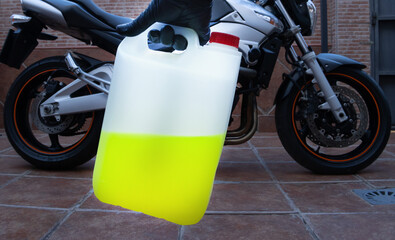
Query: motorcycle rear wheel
[[316, 141], [47, 142]]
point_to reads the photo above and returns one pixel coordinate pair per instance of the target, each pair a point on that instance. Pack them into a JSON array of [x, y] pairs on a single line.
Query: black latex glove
[[193, 14]]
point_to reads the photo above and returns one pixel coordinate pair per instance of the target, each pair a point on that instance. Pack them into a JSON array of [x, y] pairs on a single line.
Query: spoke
[[80, 133], [304, 132], [55, 141], [33, 94], [333, 82], [318, 150], [366, 136]]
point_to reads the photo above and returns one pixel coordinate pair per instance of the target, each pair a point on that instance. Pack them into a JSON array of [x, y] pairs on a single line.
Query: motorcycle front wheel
[[313, 137], [49, 142]]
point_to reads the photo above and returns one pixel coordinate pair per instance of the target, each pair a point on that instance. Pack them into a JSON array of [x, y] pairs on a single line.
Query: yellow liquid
[[168, 177]]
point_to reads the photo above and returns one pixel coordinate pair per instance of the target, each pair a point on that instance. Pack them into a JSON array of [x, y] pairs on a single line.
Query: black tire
[[316, 141], [74, 145]]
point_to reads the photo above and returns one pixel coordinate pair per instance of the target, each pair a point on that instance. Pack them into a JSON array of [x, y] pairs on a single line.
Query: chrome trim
[[313, 15], [249, 13]]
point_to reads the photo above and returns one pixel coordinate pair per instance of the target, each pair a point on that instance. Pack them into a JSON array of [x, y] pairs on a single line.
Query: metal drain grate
[[377, 196]]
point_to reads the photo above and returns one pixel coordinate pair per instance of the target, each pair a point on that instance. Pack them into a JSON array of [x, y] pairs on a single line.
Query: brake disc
[[326, 131], [48, 124]]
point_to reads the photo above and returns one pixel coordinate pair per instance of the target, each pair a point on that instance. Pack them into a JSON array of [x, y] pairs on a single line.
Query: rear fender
[[21, 42]]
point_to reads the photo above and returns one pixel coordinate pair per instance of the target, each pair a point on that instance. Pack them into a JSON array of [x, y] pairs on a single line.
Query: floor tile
[[45, 192], [5, 179], [251, 227], [247, 197], [354, 226], [390, 149], [105, 225], [238, 155], [392, 138], [227, 171], [293, 172], [93, 203], [331, 198], [9, 152], [265, 134], [14, 165], [385, 156], [24, 223], [83, 171], [243, 145], [383, 184], [275, 155], [379, 170], [4, 143], [269, 141]]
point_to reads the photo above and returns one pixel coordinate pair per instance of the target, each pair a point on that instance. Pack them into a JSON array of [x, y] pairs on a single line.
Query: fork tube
[[293, 54], [299, 38], [310, 59]]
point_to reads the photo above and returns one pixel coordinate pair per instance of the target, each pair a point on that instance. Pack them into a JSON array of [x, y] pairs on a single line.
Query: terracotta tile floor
[[259, 193]]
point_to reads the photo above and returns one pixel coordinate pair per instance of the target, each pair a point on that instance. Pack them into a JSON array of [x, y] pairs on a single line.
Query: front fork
[[310, 59], [332, 102]]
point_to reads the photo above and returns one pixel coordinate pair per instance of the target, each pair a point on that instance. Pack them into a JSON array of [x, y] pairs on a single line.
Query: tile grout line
[[291, 203], [351, 213], [293, 182], [366, 182], [239, 162], [390, 153], [269, 148], [15, 179], [207, 212], [237, 148], [320, 182], [56, 177], [69, 213], [267, 137], [13, 174], [181, 230], [279, 162], [33, 207], [250, 212], [384, 159], [6, 149], [381, 180], [11, 156], [106, 210]]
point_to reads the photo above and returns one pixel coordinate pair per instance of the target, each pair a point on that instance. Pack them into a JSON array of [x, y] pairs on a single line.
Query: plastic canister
[[165, 124]]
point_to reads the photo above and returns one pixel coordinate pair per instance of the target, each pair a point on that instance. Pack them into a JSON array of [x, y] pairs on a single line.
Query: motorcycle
[[331, 117]]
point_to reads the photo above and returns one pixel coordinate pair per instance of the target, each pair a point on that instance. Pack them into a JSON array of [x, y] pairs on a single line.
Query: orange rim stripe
[[349, 159], [20, 135]]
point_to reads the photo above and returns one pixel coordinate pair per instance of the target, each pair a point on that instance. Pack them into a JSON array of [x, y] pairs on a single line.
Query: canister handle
[[189, 34]]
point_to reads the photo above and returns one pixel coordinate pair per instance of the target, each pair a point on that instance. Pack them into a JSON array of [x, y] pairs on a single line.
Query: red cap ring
[[224, 38]]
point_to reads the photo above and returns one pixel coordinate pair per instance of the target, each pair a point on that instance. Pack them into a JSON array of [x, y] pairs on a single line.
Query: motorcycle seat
[[108, 18]]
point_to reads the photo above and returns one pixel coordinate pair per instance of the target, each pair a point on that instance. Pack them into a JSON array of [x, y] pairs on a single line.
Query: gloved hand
[[193, 14]]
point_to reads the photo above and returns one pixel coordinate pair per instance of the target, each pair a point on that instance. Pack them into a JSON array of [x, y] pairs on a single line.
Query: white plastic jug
[[164, 126]]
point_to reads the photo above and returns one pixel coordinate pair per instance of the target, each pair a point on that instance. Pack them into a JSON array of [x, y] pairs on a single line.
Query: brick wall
[[352, 29], [126, 8], [348, 34]]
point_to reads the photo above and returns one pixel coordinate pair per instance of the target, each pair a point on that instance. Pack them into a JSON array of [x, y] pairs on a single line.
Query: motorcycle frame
[[108, 40]]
